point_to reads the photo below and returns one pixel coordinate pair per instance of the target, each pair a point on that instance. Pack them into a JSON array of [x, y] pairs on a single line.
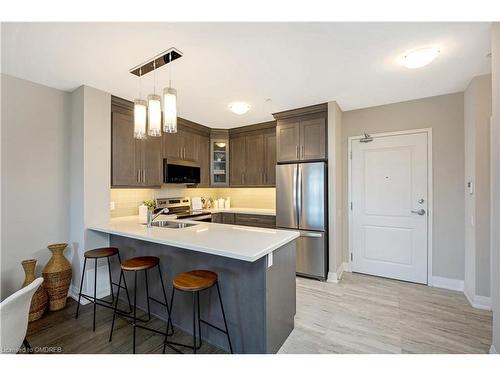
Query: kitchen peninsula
[[256, 268]]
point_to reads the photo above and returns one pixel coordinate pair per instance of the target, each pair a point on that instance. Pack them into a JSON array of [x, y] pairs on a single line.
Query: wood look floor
[[59, 329], [361, 314], [366, 314]]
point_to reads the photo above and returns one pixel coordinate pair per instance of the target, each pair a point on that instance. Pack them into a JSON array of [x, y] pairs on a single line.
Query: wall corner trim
[[446, 283], [479, 302], [332, 278]]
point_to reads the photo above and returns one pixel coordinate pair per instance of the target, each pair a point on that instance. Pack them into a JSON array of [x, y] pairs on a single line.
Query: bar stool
[[135, 265], [103, 252], [194, 282]]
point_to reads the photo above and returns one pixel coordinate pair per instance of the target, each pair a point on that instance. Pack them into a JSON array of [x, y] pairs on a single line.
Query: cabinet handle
[[139, 175], [144, 176], [302, 151], [297, 151]]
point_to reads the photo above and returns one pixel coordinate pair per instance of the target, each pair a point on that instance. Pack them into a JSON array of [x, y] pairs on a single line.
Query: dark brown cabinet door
[[288, 140], [270, 159], [227, 218], [171, 145], [204, 160], [151, 161], [189, 143], [237, 161], [254, 160], [313, 139], [125, 170], [262, 221]]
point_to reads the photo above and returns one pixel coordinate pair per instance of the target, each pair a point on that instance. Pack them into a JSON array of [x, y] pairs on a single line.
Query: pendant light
[[140, 108], [154, 109], [169, 109]]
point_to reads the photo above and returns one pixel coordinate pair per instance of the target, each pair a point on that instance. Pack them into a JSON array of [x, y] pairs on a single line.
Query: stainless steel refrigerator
[[301, 204]]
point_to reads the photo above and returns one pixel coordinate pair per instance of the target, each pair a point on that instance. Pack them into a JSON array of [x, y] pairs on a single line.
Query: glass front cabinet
[[219, 161]]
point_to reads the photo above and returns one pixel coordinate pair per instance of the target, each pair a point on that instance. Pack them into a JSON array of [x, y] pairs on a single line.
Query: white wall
[[35, 183], [90, 180], [444, 114], [335, 191], [477, 113], [495, 186]]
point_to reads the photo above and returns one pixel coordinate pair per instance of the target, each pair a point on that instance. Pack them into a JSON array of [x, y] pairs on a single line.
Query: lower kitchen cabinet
[[250, 220]]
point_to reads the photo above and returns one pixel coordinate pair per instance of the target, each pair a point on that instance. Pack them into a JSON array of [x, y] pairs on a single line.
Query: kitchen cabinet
[[262, 221], [253, 155], [270, 158], [219, 157], [134, 162], [204, 160], [182, 145], [237, 164], [301, 134], [223, 218]]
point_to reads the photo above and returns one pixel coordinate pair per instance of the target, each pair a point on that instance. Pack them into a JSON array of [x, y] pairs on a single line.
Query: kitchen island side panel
[[242, 285], [280, 296]]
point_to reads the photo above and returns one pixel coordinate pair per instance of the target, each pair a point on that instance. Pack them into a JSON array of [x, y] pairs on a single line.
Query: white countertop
[[231, 241], [249, 211]]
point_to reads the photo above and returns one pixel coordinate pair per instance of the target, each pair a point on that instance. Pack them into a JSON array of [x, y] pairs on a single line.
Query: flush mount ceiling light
[[418, 58], [239, 108], [150, 113]]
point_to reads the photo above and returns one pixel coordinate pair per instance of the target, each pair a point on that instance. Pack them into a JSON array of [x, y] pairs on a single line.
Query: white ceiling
[[294, 64]]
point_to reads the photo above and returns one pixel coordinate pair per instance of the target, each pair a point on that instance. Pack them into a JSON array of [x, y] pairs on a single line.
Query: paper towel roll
[[143, 214]]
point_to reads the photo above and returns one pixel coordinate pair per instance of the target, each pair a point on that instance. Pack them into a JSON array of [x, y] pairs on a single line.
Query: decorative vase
[[57, 277], [40, 298]]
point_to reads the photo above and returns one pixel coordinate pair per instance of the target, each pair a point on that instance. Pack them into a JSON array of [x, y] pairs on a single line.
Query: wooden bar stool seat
[[97, 254], [194, 281], [102, 252], [139, 263]]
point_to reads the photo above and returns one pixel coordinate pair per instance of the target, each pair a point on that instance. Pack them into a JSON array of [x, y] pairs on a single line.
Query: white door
[[389, 194]]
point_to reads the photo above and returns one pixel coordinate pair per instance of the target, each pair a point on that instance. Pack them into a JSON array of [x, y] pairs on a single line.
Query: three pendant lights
[[147, 114]]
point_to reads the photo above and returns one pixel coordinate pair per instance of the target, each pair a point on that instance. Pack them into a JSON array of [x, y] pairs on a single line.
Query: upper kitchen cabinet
[[191, 143], [134, 162], [301, 134], [219, 157], [253, 155]]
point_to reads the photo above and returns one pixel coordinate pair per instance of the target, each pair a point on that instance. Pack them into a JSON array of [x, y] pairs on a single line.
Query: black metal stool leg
[[199, 321], [81, 285], [224, 317], [116, 304], [95, 292], [169, 319], [169, 310], [135, 309], [110, 281], [194, 323], [125, 283], [147, 294]]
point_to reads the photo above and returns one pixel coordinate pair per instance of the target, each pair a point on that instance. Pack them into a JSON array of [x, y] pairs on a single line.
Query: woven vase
[[40, 298], [57, 277]]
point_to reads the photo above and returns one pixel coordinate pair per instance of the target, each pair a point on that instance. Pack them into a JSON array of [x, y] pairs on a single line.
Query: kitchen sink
[[171, 224]]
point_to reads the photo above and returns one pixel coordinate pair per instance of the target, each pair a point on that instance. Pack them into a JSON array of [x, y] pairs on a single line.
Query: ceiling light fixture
[[239, 108], [418, 58], [154, 109], [140, 109], [150, 113]]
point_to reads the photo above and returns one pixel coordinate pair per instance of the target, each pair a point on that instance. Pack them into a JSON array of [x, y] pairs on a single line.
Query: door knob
[[419, 212]]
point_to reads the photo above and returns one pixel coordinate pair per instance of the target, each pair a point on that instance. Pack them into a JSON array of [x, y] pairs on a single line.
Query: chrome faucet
[[152, 216]]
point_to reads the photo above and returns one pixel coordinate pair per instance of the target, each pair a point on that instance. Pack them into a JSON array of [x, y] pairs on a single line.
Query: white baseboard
[[346, 266], [446, 283], [332, 277], [493, 350], [479, 302], [73, 293], [335, 277]]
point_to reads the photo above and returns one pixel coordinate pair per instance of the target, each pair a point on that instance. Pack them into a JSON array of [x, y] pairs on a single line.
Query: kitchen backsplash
[[127, 201]]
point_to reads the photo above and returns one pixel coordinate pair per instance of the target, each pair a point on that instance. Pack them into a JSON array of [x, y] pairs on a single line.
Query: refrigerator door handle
[[311, 234], [294, 190], [299, 193]]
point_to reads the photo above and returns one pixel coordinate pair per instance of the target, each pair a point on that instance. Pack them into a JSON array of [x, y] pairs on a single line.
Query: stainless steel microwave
[[180, 172]]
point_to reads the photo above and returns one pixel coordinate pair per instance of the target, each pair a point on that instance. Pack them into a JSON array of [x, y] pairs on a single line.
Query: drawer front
[[263, 221]]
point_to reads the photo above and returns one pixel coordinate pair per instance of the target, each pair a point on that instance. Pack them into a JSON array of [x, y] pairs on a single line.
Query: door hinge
[[351, 206], [351, 257]]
